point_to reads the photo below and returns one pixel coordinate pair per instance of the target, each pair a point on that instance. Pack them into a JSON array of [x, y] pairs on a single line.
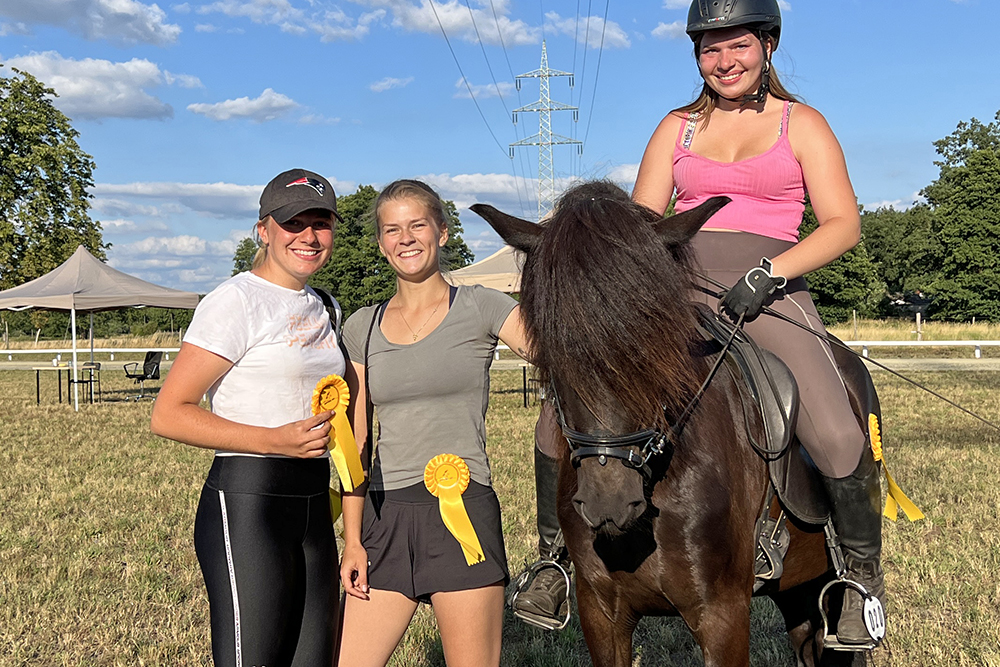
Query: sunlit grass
[[97, 563]]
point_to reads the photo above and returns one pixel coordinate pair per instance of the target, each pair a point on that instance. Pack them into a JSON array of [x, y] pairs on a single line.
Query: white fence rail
[[167, 351], [978, 345]]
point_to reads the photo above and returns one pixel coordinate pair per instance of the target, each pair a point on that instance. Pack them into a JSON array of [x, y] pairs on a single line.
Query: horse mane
[[605, 302]]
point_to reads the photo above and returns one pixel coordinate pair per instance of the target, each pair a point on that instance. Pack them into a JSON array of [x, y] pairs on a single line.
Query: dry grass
[[159, 339], [97, 564]]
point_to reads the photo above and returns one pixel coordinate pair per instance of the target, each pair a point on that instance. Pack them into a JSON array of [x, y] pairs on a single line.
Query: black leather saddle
[[774, 394]]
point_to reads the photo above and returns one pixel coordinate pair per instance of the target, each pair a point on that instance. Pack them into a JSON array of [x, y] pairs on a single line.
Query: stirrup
[[873, 613], [523, 582]]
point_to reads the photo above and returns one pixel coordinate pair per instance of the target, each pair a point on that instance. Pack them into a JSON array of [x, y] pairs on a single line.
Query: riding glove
[[749, 295]]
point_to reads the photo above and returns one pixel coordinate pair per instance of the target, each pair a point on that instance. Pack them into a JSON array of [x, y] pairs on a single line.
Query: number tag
[[874, 618]]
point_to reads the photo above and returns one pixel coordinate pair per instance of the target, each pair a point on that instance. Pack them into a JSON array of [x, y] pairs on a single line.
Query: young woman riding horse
[[748, 138]]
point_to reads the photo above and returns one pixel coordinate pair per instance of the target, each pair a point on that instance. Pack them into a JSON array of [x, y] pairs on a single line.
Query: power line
[[496, 85], [524, 170], [597, 76], [464, 78]]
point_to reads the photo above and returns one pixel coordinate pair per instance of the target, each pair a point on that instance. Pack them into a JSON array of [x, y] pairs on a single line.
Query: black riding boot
[[546, 595], [858, 522]]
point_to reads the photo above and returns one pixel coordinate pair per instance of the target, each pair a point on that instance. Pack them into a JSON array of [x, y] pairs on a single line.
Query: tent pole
[[91, 336], [76, 387]]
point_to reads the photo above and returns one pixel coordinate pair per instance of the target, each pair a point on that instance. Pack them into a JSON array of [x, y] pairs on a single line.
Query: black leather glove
[[749, 295]]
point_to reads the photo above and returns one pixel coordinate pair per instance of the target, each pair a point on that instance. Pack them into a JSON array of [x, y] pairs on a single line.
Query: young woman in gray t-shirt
[[428, 351]]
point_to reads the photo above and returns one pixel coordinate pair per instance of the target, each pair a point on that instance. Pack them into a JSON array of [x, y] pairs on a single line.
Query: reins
[[651, 442], [834, 341]]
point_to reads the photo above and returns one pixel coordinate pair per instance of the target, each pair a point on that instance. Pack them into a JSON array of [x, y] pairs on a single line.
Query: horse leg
[[722, 629], [607, 628], [798, 606]]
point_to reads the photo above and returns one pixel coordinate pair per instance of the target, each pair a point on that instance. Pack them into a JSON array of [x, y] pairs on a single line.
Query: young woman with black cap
[[747, 138], [257, 346], [427, 527]]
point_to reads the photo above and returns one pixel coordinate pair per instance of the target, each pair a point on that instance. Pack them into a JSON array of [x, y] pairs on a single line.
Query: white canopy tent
[[84, 283], [501, 271]]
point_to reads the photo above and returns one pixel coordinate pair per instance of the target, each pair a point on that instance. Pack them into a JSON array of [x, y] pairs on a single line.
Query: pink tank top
[[767, 190]]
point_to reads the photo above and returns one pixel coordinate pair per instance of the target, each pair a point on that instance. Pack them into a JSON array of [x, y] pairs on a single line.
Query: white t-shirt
[[280, 341]]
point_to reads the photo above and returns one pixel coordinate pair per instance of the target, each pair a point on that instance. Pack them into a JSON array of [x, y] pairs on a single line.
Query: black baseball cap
[[294, 191]]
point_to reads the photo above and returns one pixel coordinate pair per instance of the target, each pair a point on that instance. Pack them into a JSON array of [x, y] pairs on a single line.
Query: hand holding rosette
[[331, 393]]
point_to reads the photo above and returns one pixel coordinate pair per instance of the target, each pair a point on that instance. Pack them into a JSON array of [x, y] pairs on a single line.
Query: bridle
[[638, 449]]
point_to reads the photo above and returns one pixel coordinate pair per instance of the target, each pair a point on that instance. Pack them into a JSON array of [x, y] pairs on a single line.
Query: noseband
[[635, 450]]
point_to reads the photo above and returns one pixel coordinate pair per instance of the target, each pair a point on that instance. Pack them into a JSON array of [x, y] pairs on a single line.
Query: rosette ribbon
[[331, 393], [446, 476], [895, 499]]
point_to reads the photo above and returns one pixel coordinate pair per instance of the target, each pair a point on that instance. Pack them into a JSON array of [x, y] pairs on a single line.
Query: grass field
[[97, 565]]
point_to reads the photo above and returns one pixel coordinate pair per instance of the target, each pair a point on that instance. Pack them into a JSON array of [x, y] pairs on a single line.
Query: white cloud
[[122, 227], [898, 204], [457, 20], [317, 119], [13, 29], [92, 89], [226, 200], [590, 30], [676, 4], [269, 105], [330, 24], [182, 80], [117, 21], [483, 91], [675, 30], [205, 27], [390, 82], [221, 200], [624, 175], [786, 6]]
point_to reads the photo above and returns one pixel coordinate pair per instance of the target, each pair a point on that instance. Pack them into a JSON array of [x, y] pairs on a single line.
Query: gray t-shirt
[[432, 395]]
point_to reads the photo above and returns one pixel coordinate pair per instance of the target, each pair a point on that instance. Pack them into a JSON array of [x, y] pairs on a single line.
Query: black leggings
[[266, 546]]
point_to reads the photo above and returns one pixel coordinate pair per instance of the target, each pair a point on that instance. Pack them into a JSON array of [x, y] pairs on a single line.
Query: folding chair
[[150, 371]]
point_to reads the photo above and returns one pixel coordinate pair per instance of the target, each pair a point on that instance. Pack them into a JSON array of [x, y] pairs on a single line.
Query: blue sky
[[190, 108]]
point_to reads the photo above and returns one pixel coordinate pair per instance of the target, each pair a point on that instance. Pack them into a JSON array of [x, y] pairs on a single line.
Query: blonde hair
[[406, 188], [706, 101], [261, 254]]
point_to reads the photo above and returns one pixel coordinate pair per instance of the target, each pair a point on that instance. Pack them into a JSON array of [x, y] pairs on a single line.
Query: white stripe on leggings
[[232, 579]]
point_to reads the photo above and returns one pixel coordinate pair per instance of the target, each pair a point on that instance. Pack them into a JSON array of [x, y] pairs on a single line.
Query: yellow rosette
[[331, 393], [895, 499], [446, 476]]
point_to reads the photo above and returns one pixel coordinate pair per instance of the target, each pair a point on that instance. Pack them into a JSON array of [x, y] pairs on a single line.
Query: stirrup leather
[[873, 613]]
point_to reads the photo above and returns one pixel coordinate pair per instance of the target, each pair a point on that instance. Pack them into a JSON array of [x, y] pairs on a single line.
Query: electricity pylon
[[545, 139]]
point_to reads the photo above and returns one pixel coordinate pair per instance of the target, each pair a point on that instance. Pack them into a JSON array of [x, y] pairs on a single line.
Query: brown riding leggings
[[827, 426]]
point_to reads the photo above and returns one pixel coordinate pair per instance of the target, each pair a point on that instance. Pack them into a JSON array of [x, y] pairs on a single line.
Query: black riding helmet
[[759, 16]]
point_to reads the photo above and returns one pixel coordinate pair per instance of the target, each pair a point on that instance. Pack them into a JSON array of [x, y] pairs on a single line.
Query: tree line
[[941, 255]]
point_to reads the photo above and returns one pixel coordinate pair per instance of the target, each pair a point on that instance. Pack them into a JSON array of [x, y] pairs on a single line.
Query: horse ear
[[681, 227], [519, 233]]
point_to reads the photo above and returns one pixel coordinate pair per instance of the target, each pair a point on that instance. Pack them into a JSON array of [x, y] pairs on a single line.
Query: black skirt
[[410, 550]]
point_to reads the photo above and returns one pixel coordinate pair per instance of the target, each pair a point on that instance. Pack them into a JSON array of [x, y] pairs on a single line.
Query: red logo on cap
[[310, 182]]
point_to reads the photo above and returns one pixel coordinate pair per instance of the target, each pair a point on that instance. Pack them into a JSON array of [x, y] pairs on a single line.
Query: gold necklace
[[417, 332]]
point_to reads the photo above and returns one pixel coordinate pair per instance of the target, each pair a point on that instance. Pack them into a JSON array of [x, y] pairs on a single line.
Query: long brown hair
[[706, 101]]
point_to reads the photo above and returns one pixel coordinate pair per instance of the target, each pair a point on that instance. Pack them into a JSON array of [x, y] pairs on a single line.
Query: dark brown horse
[[605, 297]]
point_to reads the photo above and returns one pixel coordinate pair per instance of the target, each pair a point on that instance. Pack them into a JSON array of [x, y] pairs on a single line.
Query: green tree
[[847, 284], [243, 258], [44, 177], [357, 274], [965, 199], [904, 247]]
